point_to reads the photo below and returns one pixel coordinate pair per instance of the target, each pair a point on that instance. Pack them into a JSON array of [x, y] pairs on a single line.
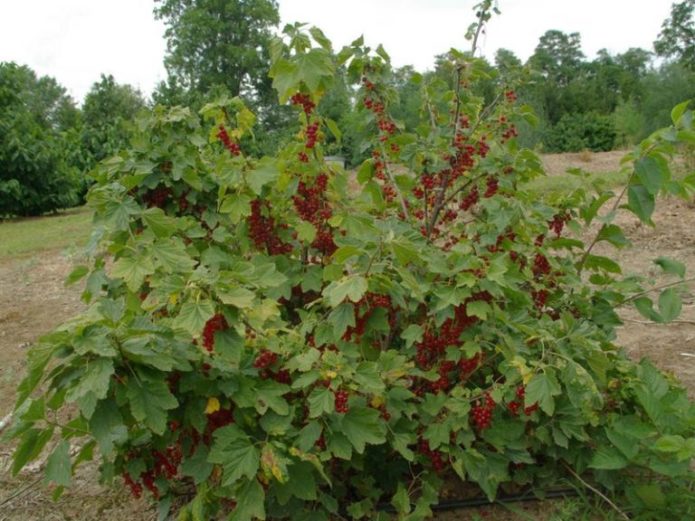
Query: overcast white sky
[[77, 40]]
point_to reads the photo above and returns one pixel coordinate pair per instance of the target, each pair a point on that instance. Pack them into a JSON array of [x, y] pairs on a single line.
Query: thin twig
[[20, 491], [649, 323], [597, 492], [657, 288], [5, 422]]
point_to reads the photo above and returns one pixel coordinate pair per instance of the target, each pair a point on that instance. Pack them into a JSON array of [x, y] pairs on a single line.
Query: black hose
[[456, 504]]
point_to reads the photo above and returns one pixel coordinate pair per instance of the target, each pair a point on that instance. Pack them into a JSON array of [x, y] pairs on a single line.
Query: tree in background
[[218, 43], [107, 110], [677, 37], [37, 144]]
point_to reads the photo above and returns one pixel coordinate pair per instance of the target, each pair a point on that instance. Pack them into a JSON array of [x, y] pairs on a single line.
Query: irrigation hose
[[458, 504]]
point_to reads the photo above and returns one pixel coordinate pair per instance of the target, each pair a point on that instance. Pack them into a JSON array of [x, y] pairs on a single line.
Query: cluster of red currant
[[434, 456], [157, 198], [516, 405], [262, 231], [165, 465], [341, 401], [481, 413], [364, 309], [312, 206], [230, 145], [212, 326], [558, 223], [434, 343], [303, 100], [265, 359]]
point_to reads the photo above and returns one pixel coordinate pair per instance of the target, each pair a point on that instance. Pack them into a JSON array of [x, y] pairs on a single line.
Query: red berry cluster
[[481, 413], [265, 359], [262, 231], [469, 365], [434, 456], [212, 326], [515, 405], [157, 198], [166, 464], [541, 266], [492, 187], [364, 309], [434, 343], [510, 96], [230, 145], [305, 101], [135, 487], [312, 206], [312, 135], [540, 298], [470, 199], [558, 223], [341, 401]]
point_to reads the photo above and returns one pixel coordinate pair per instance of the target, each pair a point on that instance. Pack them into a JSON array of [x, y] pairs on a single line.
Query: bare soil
[[33, 300]]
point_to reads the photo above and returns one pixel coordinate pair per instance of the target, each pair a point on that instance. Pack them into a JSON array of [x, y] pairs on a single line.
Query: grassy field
[[25, 237]]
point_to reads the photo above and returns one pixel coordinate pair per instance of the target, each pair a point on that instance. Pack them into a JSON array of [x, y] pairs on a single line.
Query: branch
[[596, 491], [657, 288]]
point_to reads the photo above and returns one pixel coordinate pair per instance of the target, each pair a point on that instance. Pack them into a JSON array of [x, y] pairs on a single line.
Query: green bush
[[576, 132], [36, 144], [267, 340]]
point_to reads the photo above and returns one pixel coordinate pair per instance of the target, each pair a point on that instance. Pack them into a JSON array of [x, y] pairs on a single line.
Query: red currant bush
[[273, 337]]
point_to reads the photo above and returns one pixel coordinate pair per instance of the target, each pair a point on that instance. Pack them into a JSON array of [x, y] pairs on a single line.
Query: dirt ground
[[33, 300]]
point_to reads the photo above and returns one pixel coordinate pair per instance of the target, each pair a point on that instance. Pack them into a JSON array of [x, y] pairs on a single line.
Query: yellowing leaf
[[212, 406]]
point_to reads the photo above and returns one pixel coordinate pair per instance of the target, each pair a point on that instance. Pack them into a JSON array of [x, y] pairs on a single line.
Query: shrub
[[575, 132], [271, 342], [36, 144]]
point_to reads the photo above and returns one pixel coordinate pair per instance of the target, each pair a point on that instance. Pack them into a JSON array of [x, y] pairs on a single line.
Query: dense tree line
[[223, 47]]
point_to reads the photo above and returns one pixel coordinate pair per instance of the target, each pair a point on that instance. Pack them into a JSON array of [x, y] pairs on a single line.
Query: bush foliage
[[277, 339]]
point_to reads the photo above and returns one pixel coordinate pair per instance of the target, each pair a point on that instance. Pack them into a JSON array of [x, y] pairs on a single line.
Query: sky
[[75, 41]]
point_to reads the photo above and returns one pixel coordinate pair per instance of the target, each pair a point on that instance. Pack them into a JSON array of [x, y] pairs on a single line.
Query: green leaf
[[363, 426], [308, 435], [597, 262], [96, 380], [193, 316], [265, 172], [250, 502], [613, 234], [401, 500], [107, 426], [541, 389], [651, 173], [670, 266], [76, 274], [670, 305], [234, 451], [646, 308], [353, 287], [133, 270], [413, 333], [197, 466], [478, 308], [607, 458], [58, 468], [149, 402], [238, 297], [160, 223], [321, 401], [335, 130], [341, 318], [32, 443], [172, 256], [641, 203], [678, 111], [238, 206], [670, 443], [306, 232]]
